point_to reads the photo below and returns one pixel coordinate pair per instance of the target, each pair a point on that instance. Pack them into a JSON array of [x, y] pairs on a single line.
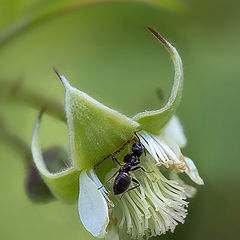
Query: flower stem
[[17, 92], [15, 142]]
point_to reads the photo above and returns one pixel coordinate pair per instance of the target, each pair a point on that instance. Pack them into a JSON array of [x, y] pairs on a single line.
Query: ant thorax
[[129, 158]]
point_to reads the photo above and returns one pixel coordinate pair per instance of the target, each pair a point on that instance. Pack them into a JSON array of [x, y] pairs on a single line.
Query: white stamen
[[157, 206], [159, 150]]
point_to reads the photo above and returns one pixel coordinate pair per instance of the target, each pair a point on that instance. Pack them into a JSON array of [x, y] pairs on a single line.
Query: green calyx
[[95, 131]]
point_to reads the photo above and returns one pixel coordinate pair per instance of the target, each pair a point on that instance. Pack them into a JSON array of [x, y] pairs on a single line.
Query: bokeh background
[[105, 50]]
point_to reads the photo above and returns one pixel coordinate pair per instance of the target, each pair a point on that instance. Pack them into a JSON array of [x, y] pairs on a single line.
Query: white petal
[[174, 131], [192, 171], [92, 207]]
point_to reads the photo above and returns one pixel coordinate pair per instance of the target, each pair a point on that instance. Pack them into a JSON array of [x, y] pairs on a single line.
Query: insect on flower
[[123, 180]]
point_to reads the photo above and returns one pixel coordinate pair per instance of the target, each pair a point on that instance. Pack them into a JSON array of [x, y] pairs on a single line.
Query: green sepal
[[63, 184], [154, 121], [95, 131]]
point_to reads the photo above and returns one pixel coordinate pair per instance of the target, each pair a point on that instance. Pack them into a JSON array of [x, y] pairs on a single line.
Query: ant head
[[137, 148]]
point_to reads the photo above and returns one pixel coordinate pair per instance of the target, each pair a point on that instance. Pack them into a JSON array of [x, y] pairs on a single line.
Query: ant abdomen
[[121, 183]]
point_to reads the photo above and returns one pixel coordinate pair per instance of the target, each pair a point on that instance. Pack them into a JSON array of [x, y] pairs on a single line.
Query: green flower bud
[[55, 159], [35, 188]]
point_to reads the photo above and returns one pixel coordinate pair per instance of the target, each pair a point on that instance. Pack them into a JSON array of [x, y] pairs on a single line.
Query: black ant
[[124, 179]]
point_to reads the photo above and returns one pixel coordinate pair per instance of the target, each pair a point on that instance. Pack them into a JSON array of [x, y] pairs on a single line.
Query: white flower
[[154, 208], [97, 132]]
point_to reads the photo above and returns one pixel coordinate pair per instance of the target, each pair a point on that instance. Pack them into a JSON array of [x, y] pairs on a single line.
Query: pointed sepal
[[95, 131]]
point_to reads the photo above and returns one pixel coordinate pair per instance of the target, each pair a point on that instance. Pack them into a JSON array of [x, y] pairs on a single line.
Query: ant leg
[[122, 147], [141, 168], [109, 179], [136, 181], [96, 165], [145, 152], [130, 189], [115, 159], [129, 147], [136, 163], [113, 154]]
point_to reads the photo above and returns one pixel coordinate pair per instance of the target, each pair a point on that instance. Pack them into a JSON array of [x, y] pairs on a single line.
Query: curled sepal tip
[[63, 183], [95, 130], [154, 121]]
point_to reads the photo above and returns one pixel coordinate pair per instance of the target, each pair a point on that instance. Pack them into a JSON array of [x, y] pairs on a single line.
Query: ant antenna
[[135, 133]]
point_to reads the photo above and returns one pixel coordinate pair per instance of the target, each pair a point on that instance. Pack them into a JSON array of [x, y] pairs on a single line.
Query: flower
[[97, 133], [159, 204]]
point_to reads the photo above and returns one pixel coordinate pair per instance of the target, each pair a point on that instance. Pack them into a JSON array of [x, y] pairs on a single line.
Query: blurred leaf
[[20, 16], [174, 5]]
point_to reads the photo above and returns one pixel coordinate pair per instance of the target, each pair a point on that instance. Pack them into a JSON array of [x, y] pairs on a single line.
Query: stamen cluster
[[157, 206]]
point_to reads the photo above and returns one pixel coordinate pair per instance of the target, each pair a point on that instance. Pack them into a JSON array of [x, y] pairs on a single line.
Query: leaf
[[63, 184], [154, 121]]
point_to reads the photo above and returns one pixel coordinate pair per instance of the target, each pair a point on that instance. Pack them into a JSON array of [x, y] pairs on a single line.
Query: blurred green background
[[106, 51]]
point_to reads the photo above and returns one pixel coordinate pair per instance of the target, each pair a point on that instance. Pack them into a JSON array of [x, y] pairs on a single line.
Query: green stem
[[17, 92], [15, 142]]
